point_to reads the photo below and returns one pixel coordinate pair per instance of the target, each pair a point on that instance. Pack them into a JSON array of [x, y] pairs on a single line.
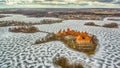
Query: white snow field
[[17, 50], [19, 17]]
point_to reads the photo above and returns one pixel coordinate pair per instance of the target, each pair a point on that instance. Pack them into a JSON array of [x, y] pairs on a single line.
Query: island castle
[[81, 37]]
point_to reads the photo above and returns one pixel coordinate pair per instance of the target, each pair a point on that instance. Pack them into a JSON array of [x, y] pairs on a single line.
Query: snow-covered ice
[[23, 18], [17, 50]]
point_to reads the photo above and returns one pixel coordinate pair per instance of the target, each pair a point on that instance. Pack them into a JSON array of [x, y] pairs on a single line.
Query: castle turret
[[59, 33]]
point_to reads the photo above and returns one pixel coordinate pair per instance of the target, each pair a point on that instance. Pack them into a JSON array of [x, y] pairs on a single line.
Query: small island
[[80, 41], [20, 23], [2, 16]]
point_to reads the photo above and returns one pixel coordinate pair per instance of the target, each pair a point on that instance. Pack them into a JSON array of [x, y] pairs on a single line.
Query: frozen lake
[[19, 17], [17, 50]]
